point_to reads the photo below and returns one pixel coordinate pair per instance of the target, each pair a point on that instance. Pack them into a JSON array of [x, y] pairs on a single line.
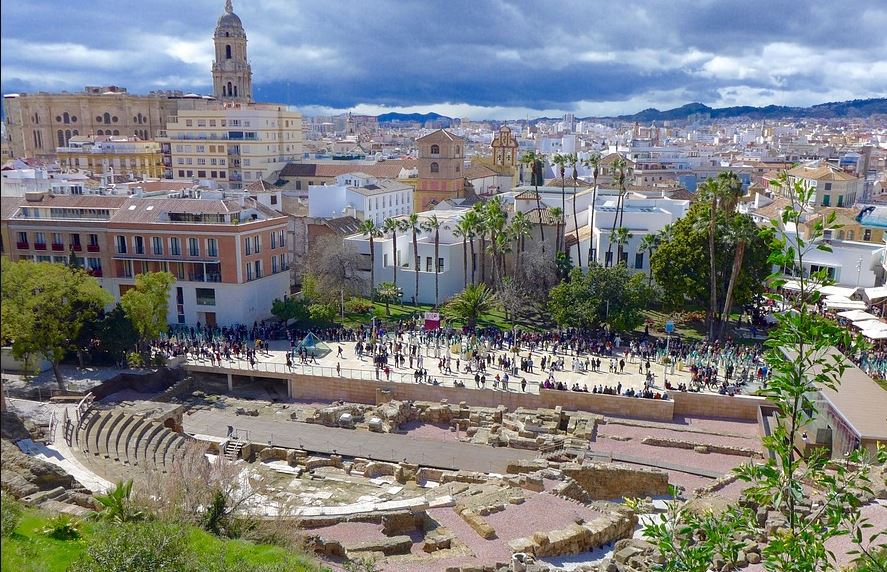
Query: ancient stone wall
[[605, 481]]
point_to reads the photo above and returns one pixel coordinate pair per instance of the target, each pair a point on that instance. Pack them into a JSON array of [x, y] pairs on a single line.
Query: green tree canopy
[[612, 296], [469, 304], [289, 309], [681, 262], [44, 307], [147, 304]]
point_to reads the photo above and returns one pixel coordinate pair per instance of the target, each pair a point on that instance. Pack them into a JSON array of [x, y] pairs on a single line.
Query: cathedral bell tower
[[232, 76]]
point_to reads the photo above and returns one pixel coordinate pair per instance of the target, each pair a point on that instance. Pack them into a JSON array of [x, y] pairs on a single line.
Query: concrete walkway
[[390, 447]]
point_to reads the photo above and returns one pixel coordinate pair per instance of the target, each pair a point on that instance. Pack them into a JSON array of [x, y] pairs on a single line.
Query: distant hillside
[[855, 108], [419, 117]]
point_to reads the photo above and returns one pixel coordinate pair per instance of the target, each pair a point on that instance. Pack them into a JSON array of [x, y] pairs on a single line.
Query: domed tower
[[232, 76]]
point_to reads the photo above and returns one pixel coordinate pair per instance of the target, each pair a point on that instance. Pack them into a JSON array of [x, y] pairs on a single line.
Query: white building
[[362, 196], [17, 182], [451, 278], [641, 217]]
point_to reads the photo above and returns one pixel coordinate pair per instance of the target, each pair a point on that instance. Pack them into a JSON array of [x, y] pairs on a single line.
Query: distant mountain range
[[415, 117], [854, 108]]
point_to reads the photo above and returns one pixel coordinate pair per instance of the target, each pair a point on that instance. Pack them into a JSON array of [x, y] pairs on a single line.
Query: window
[[427, 264], [175, 246], [274, 265], [94, 263], [57, 239], [385, 260], [435, 149], [440, 264], [139, 245], [828, 186], [867, 235], [249, 271], [121, 245], [188, 123], [201, 174], [826, 199], [608, 258], [850, 235], [206, 296], [212, 247], [157, 245], [23, 239], [127, 268], [840, 200], [639, 260], [257, 244], [93, 240], [258, 264], [227, 52], [75, 241], [181, 171], [283, 265], [829, 271], [193, 247], [247, 246], [273, 240], [435, 168]]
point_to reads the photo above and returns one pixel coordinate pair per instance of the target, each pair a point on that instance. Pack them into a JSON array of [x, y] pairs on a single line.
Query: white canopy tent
[[874, 295], [843, 303], [856, 315], [875, 334], [837, 291], [873, 326]]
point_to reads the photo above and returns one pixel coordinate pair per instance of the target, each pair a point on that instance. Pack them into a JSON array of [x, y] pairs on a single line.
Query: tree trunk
[[465, 261], [650, 264], [417, 262], [728, 298], [436, 268], [576, 229], [59, 378], [591, 225], [612, 231], [712, 269], [394, 256], [473, 265], [483, 258], [372, 270]]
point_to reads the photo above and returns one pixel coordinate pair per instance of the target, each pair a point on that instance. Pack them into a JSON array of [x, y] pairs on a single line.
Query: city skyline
[[482, 60]]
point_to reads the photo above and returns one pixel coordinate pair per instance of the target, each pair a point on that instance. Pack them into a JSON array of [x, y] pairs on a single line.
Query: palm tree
[[465, 230], [649, 243], [392, 225], [619, 169], [594, 163], [388, 292], [723, 193], [432, 223], [573, 160], [412, 223], [620, 236], [480, 229], [494, 219], [520, 229], [471, 303], [369, 229], [561, 162], [739, 235], [557, 213], [535, 160]]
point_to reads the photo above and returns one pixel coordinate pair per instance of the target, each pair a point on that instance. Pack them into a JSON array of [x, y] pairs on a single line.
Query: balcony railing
[[39, 246], [76, 247], [58, 247], [22, 245], [208, 277], [93, 248]]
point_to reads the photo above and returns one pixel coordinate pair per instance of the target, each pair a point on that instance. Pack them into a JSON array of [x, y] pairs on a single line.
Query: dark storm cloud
[[578, 55]]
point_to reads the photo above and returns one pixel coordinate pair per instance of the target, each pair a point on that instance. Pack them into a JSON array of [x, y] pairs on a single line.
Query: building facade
[[505, 148], [441, 177], [229, 257], [834, 188], [362, 196], [119, 155], [233, 144]]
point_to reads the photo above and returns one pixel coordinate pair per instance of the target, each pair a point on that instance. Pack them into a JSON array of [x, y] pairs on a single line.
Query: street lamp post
[[858, 270]]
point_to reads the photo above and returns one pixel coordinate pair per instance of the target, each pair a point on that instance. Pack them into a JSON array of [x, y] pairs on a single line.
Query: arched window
[[235, 91], [99, 132], [850, 235], [435, 168], [228, 52], [116, 132], [66, 117], [76, 133], [106, 118], [435, 149], [230, 90], [67, 136], [457, 150], [61, 136]]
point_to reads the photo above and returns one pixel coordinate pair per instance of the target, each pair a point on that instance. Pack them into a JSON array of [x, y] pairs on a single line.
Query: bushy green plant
[[323, 313], [10, 513], [117, 506], [358, 306], [62, 527], [137, 547], [134, 360]]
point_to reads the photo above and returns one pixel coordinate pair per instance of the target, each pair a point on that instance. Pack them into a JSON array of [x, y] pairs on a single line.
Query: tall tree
[[557, 214], [738, 236], [369, 229], [536, 163], [519, 228], [392, 226], [388, 292], [561, 162], [649, 243], [601, 296], [334, 271], [620, 236], [413, 225], [480, 229], [495, 217], [44, 306], [465, 230], [573, 161], [619, 170], [594, 163], [433, 224], [147, 304]]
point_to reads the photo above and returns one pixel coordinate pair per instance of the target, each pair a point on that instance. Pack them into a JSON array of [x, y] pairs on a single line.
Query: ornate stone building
[[232, 75], [504, 148], [441, 176]]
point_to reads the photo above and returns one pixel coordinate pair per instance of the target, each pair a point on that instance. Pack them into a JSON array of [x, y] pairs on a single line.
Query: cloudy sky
[[474, 58]]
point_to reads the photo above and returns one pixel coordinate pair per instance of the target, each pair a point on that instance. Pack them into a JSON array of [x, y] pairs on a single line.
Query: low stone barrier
[[604, 481], [701, 447], [579, 537]]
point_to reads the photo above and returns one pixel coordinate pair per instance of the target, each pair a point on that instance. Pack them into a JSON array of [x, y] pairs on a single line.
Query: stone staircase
[[109, 439], [55, 500], [232, 449]]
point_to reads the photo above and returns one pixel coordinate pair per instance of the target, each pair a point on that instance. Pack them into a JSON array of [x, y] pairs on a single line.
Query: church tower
[[232, 76]]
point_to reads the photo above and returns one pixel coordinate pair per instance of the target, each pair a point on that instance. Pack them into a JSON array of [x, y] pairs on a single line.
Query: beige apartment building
[[834, 188], [118, 155], [233, 144]]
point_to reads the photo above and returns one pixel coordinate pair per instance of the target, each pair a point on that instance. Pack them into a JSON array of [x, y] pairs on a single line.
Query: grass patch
[[404, 312], [29, 550]]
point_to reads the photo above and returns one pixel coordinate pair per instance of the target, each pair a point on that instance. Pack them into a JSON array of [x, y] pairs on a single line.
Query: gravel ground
[[429, 431], [540, 512]]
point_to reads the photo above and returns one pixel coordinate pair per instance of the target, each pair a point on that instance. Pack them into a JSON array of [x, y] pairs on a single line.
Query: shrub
[[10, 513], [134, 360], [117, 506], [358, 306], [62, 527], [323, 313], [136, 547]]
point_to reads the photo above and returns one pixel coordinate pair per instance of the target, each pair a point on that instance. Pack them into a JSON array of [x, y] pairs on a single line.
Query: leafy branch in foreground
[[804, 500]]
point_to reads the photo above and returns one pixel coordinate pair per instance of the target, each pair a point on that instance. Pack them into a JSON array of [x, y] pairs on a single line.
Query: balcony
[[76, 247], [92, 248], [58, 247], [39, 246], [208, 277], [95, 272], [22, 245]]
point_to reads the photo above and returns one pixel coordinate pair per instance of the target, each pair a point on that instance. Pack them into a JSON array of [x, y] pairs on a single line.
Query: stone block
[[478, 524]]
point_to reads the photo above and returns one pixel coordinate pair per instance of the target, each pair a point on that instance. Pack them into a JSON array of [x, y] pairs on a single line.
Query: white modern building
[[362, 196], [451, 278], [17, 182]]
